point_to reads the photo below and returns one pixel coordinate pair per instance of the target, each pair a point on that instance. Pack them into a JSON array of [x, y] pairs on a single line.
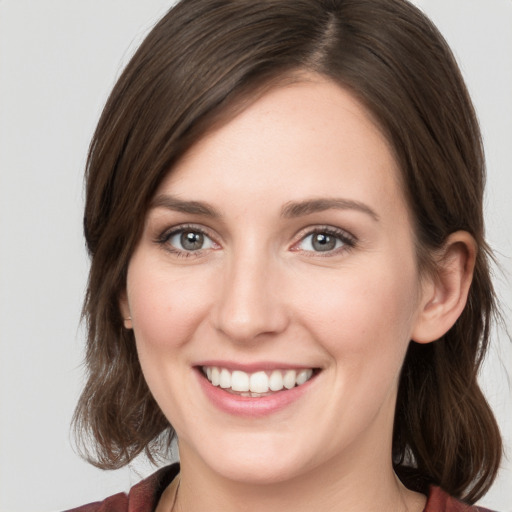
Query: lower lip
[[251, 406]]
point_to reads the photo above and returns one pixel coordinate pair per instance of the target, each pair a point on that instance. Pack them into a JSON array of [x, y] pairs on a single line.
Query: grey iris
[[323, 242], [191, 240]]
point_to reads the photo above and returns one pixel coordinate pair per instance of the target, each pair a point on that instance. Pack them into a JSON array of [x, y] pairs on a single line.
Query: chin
[[259, 472], [256, 459]]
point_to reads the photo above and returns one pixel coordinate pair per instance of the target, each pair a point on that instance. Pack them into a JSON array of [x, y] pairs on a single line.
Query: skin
[[259, 291]]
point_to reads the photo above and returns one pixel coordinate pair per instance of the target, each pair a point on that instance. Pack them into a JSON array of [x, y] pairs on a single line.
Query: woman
[[284, 216]]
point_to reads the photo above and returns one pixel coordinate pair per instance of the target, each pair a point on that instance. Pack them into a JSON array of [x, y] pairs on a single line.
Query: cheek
[[365, 314], [166, 306]]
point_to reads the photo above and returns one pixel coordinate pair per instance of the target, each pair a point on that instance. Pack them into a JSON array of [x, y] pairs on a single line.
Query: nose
[[250, 305]]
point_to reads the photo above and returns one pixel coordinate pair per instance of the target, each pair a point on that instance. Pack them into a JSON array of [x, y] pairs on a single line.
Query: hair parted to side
[[199, 64]]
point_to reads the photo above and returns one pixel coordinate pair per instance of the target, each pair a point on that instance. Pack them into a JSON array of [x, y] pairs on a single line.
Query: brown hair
[[198, 64]]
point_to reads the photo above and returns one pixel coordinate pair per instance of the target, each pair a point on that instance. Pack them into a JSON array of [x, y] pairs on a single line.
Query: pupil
[[192, 241], [323, 242]]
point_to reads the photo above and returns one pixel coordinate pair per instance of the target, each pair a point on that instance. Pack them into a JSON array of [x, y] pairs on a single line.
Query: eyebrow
[[179, 205], [292, 209], [307, 207]]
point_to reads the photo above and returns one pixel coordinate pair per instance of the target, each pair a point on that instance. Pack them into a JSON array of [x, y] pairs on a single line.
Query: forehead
[[303, 138]]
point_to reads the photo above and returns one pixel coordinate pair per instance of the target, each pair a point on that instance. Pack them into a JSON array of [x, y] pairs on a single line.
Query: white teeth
[[275, 382], [215, 376], [289, 379], [258, 383], [239, 381], [225, 379], [303, 376]]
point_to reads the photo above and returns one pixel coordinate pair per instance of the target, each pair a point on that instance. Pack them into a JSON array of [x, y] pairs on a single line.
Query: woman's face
[[278, 254]]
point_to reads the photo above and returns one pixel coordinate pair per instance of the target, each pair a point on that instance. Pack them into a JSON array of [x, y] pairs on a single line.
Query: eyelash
[[165, 237], [348, 241]]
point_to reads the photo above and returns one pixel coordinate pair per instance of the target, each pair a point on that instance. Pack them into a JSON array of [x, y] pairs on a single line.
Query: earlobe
[[125, 310], [445, 294]]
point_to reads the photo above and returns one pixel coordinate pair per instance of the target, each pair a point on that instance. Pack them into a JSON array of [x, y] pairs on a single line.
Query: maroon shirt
[[144, 497]]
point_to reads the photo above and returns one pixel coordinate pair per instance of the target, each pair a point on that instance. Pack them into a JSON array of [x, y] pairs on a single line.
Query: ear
[[124, 308], [444, 295]]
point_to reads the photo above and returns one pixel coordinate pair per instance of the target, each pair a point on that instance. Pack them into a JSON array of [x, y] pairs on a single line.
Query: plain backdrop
[[58, 61]]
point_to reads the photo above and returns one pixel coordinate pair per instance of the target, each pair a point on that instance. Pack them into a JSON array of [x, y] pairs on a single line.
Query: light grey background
[[58, 61]]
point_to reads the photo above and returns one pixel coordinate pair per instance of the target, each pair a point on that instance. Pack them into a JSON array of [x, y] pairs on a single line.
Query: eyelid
[[165, 235], [348, 239]]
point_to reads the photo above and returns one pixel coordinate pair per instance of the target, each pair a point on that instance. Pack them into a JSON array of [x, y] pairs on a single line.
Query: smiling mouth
[[257, 384]]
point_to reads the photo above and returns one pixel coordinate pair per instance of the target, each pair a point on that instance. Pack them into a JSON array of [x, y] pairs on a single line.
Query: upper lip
[[255, 366]]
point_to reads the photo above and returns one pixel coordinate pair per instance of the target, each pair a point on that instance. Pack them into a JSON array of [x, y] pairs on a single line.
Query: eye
[[187, 240], [325, 240]]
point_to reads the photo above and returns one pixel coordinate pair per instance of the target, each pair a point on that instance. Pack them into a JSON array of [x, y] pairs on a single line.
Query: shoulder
[[142, 497], [439, 501]]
